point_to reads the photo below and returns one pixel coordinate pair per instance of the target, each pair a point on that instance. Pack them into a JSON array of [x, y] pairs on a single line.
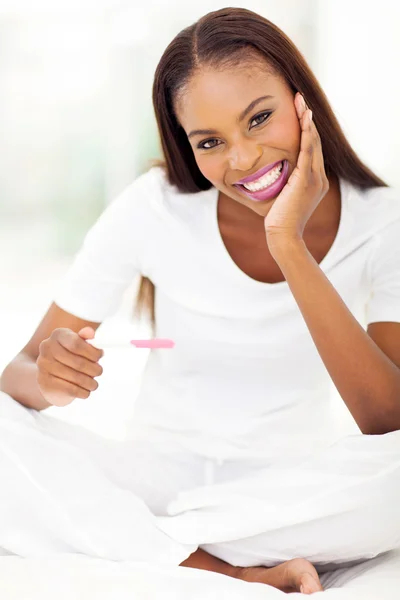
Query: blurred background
[[77, 126]]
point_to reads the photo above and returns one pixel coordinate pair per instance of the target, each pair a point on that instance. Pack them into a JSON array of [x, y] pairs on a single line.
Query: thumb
[[86, 333]]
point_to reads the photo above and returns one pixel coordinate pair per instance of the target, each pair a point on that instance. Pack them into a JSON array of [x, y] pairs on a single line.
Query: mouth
[[259, 174], [266, 183]]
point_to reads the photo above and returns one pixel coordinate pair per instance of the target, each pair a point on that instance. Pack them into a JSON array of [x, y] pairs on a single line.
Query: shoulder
[[381, 202], [371, 211], [152, 207], [154, 192], [166, 206], [384, 205], [128, 214], [138, 203], [377, 218], [147, 188]]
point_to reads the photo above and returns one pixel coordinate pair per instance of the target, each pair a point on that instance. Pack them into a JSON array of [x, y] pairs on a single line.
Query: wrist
[[282, 245]]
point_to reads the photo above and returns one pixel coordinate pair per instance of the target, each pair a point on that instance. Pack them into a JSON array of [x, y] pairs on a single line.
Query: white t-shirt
[[245, 378]]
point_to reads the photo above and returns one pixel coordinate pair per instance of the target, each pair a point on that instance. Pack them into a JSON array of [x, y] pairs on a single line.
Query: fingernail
[[310, 115], [302, 102], [301, 590]]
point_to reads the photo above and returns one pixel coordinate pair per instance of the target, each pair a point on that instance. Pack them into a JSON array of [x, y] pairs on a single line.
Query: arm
[[93, 285], [19, 378], [365, 372], [367, 375]]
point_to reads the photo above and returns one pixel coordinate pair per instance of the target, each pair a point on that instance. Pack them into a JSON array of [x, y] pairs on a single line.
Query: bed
[[75, 577]]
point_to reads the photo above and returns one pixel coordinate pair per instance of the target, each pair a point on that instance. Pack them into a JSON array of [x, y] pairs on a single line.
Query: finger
[[300, 105], [86, 333], [309, 584], [304, 161], [76, 362], [75, 344], [318, 163], [63, 388], [317, 160], [318, 156], [302, 108], [57, 369], [315, 133]]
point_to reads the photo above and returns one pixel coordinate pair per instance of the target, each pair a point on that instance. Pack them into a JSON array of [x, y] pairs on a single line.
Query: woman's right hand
[[67, 366]]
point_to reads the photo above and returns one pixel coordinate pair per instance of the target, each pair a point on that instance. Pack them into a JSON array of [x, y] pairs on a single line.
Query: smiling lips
[[263, 179], [259, 173], [267, 183]]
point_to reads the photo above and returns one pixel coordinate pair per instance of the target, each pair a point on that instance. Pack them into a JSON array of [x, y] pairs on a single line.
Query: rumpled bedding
[[69, 528]]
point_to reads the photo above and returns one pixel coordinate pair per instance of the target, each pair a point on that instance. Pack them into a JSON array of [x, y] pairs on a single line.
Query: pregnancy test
[[153, 343], [109, 342]]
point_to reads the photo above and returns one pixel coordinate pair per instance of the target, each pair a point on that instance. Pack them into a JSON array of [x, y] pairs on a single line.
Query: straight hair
[[222, 39]]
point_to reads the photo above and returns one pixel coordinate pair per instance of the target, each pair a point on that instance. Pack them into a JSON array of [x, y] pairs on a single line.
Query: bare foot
[[296, 575]]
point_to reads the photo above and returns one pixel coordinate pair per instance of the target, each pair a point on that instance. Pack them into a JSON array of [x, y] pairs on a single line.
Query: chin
[[260, 208]]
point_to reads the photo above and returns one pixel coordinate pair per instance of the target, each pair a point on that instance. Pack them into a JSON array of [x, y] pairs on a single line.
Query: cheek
[[210, 166], [292, 129], [284, 133]]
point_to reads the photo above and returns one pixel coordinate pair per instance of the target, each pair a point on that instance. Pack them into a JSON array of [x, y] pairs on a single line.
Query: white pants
[[65, 489]]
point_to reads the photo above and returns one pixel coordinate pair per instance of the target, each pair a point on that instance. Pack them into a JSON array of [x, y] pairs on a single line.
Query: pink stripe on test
[[153, 344]]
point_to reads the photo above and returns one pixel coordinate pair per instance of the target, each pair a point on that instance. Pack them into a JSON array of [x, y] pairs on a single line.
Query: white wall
[[357, 57], [352, 46]]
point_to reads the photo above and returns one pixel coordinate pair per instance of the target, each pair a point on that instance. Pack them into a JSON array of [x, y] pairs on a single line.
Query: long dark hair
[[224, 38]]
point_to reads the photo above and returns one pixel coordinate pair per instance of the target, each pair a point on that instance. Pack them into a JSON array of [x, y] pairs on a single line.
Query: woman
[[264, 236]]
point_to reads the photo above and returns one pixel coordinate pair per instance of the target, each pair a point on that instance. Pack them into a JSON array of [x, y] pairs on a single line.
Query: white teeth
[[266, 180]]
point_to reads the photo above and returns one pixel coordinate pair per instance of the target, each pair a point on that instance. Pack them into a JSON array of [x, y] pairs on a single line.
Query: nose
[[244, 156]]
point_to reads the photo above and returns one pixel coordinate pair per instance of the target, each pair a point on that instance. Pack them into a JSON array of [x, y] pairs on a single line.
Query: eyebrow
[[240, 118]]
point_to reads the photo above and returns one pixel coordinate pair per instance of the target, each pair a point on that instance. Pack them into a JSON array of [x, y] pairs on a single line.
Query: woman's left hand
[[306, 187]]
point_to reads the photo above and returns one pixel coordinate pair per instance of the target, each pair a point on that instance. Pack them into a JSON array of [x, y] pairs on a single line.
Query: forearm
[[202, 560], [367, 380], [19, 381]]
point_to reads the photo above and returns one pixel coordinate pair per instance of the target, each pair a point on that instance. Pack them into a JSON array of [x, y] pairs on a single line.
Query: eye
[[203, 144], [261, 118]]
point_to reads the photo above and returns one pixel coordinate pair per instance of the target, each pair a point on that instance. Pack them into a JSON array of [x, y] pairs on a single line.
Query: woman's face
[[239, 121]]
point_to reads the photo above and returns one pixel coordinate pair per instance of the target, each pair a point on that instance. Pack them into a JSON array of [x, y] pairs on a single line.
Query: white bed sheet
[[76, 577]]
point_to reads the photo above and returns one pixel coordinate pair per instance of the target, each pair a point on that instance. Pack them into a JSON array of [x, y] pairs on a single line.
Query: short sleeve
[[384, 276], [109, 258]]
